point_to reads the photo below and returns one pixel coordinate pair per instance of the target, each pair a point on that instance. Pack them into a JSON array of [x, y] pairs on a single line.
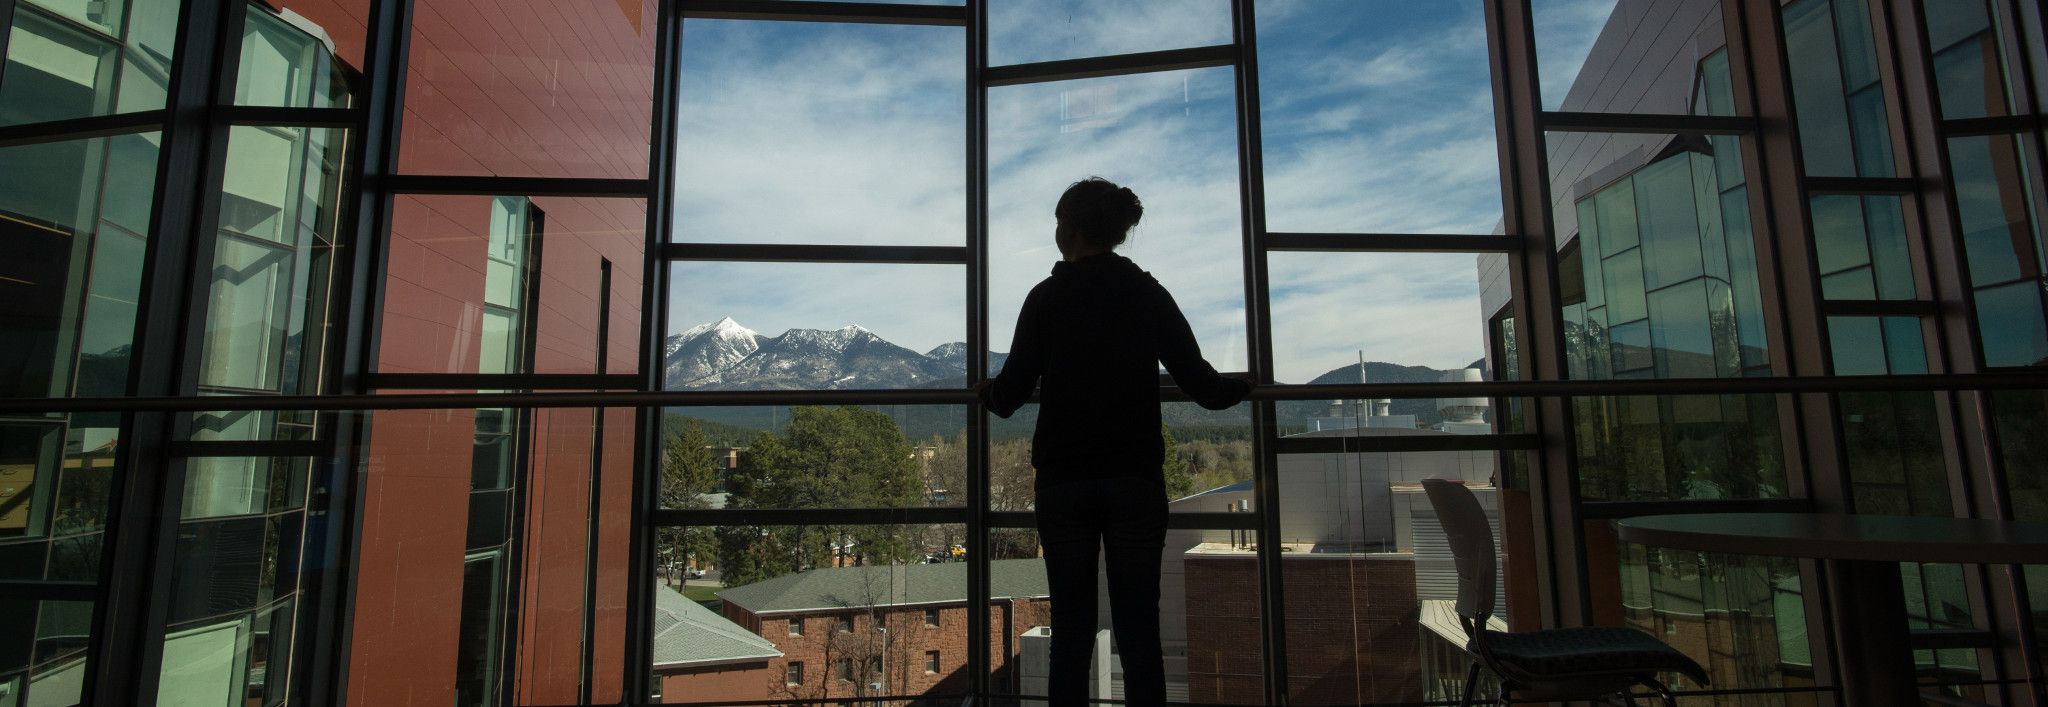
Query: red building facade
[[516, 89]]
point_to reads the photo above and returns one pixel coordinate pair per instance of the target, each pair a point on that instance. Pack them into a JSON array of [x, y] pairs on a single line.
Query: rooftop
[[689, 634]]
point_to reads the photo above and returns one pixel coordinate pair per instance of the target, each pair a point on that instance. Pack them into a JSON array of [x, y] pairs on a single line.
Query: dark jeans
[[1126, 517]]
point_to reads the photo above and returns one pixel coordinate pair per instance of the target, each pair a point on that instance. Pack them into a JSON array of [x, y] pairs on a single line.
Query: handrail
[[961, 396]]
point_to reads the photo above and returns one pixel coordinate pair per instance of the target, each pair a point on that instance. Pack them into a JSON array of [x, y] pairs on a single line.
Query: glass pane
[[2018, 417], [1895, 453], [1638, 448], [1838, 235], [1371, 581], [802, 132], [1676, 292], [1170, 138], [1027, 31], [1993, 204], [541, 91], [1835, 89], [1333, 313], [1969, 66], [1207, 454], [2012, 323], [509, 284], [825, 612], [1741, 617], [290, 59], [73, 218], [836, 326], [1401, 87], [272, 271], [79, 58], [484, 574], [1876, 345], [1626, 56], [55, 476], [1208, 622], [43, 651], [878, 456]]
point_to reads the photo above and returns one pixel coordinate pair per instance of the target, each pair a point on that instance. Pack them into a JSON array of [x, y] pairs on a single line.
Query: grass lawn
[[701, 594]]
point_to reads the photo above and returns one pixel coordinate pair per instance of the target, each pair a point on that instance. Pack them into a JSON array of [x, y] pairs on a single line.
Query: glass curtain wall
[[826, 248], [74, 213]]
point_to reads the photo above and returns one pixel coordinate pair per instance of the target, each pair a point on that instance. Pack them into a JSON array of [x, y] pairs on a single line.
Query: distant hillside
[[1188, 420]]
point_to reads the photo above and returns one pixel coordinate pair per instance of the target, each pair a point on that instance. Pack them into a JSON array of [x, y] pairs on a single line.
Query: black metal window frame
[[128, 630]]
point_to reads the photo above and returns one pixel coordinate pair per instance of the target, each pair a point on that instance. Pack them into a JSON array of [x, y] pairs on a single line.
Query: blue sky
[[1376, 117]]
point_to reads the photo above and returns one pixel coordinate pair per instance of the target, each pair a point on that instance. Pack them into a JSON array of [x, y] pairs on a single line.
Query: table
[[1861, 554]]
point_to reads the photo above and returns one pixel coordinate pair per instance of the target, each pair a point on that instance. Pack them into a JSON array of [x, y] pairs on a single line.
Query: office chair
[[1595, 662]]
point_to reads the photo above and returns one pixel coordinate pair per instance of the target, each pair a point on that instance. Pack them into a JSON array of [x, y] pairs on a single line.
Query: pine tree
[[1179, 481], [688, 471], [826, 457]]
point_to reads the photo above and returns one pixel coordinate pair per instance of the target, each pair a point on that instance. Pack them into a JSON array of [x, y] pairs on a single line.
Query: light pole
[[881, 666]]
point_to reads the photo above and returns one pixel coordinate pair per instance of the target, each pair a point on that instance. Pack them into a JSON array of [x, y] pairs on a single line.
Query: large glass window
[[524, 91], [1843, 130], [75, 215], [802, 132], [76, 59], [1377, 117], [1170, 138]]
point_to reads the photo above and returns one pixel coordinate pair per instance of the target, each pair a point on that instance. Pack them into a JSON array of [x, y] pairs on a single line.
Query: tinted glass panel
[[1842, 126], [76, 59], [43, 651], [1741, 617], [291, 60], [1679, 447], [540, 90], [73, 218], [515, 281]]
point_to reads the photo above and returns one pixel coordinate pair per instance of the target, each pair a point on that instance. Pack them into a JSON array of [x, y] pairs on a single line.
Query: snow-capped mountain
[[728, 356], [706, 349], [955, 355]]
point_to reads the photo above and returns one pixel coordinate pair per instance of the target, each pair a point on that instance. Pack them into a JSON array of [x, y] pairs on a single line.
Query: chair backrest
[[1471, 540]]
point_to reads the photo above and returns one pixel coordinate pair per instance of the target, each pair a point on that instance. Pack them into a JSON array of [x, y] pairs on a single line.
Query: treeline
[[851, 457]]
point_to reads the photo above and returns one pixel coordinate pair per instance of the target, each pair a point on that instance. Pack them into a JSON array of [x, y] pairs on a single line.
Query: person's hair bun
[[1100, 211]]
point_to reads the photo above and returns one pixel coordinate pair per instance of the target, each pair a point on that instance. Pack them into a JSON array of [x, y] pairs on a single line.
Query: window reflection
[[1843, 131], [82, 58]]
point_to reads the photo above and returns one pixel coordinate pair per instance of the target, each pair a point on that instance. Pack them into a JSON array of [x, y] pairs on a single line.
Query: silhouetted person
[[1091, 338]]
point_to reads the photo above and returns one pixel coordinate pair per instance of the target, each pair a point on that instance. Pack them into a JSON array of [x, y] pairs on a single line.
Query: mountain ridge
[[725, 355]]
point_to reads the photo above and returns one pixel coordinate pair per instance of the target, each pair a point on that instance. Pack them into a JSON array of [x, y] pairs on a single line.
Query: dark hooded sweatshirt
[[1091, 338]]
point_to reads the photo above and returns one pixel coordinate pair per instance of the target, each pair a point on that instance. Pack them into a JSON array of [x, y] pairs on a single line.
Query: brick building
[[700, 656], [847, 632], [1352, 640]]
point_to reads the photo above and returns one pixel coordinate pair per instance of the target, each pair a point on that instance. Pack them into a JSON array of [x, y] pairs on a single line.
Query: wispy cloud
[[1377, 118], [1024, 31]]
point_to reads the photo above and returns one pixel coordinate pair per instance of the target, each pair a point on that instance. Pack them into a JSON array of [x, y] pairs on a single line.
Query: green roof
[[687, 633], [885, 585]]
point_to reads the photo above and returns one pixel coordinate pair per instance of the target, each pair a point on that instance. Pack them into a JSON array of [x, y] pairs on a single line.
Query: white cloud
[[1025, 31], [821, 134]]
